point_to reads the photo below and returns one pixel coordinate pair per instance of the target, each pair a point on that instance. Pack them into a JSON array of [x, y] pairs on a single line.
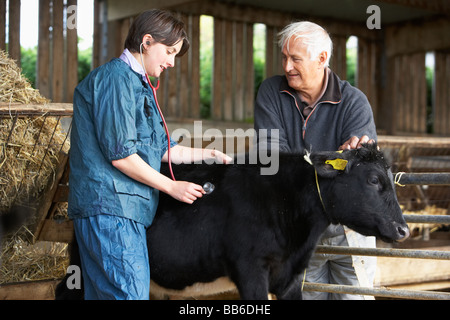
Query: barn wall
[[442, 93], [57, 69], [232, 89], [405, 98]]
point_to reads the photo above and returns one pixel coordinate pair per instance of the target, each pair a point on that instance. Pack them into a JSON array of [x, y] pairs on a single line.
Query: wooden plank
[[63, 109], [43, 63], [249, 73], [96, 46], [30, 290], [417, 36], [402, 271], [217, 97], [2, 25], [56, 231], [195, 66], [228, 68], [238, 110], [58, 52], [442, 95], [184, 75], [47, 199], [72, 56], [14, 31]]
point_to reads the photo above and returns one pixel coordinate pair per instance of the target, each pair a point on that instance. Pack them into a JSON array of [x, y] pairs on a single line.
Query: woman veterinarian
[[117, 144]]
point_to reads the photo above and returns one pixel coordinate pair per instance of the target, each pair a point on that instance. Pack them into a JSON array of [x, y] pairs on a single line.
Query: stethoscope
[[159, 109], [208, 187]]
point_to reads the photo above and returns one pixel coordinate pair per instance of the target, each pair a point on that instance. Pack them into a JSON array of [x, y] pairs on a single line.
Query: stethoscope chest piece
[[208, 187]]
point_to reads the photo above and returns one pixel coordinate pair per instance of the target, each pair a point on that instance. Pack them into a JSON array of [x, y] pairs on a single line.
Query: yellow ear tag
[[337, 164]]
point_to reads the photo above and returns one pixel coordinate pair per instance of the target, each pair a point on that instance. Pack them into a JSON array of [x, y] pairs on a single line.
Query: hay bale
[[14, 87], [29, 155], [29, 146]]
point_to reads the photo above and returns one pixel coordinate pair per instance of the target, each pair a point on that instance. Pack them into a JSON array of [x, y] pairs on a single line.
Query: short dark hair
[[163, 26]]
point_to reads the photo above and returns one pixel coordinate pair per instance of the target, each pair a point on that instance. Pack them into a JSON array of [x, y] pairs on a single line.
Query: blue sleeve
[[114, 112], [358, 117]]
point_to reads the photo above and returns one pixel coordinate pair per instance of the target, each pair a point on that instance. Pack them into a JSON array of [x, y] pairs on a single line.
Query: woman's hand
[[137, 169], [184, 191]]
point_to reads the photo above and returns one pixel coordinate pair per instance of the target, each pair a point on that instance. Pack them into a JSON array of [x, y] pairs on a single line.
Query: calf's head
[[358, 191]]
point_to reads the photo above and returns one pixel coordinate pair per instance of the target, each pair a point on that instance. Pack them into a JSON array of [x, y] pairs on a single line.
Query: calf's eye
[[374, 180]]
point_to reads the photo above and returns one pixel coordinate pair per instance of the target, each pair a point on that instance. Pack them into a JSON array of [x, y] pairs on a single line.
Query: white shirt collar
[[130, 60]]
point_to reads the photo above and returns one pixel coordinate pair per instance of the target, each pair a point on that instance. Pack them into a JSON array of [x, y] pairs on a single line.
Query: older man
[[314, 110]]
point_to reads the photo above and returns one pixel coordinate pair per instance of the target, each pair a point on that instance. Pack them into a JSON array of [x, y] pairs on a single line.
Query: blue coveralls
[[114, 116]]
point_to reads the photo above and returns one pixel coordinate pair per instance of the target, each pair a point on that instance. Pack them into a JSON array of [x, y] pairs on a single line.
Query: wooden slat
[[238, 110], [47, 199], [2, 24], [217, 98], [72, 57], [442, 95], [338, 61], [195, 66], [249, 72], [14, 31], [30, 290], [56, 231], [58, 52], [43, 63], [183, 106], [63, 109], [227, 85]]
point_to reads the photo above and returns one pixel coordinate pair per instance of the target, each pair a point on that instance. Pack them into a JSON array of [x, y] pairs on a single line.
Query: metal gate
[[401, 179]]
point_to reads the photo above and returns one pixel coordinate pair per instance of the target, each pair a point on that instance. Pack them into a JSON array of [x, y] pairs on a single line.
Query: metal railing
[[401, 179]]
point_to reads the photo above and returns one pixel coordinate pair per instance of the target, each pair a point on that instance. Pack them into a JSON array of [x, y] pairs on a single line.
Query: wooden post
[[43, 70], [195, 66], [2, 25], [442, 95], [14, 31], [72, 55], [217, 98], [58, 52], [249, 73]]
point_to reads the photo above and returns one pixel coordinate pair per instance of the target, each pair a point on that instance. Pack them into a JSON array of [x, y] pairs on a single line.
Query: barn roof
[[392, 11]]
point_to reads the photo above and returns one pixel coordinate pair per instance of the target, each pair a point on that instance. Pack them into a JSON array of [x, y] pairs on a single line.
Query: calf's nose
[[402, 231]]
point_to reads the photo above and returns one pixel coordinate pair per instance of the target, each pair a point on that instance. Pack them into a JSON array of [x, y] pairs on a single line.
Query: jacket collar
[[332, 93]]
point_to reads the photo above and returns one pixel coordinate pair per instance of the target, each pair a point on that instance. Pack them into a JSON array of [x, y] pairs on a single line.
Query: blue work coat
[[114, 116]]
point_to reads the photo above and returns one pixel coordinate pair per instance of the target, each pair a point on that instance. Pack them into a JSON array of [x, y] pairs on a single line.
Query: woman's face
[[158, 57]]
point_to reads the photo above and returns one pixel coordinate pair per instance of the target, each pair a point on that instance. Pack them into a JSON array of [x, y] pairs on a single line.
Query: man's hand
[[355, 142]]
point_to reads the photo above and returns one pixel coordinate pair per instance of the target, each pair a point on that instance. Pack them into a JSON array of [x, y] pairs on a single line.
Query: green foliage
[[206, 61], [352, 60], [84, 63], [28, 62]]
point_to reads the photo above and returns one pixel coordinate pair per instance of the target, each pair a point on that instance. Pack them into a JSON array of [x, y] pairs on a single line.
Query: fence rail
[[380, 292], [401, 179]]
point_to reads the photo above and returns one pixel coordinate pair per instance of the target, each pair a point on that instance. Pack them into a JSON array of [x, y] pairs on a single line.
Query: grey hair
[[312, 35]]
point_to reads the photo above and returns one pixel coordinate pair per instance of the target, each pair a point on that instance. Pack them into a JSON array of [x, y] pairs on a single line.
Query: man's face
[[301, 72]]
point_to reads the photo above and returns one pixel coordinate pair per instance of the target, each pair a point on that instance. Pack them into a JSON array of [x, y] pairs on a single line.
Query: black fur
[[261, 231]]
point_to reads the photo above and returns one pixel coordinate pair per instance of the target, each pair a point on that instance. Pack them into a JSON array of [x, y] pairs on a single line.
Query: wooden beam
[[30, 290], [438, 6], [58, 52], [47, 198], [72, 56], [62, 109], [412, 37], [43, 63], [2, 25], [14, 31]]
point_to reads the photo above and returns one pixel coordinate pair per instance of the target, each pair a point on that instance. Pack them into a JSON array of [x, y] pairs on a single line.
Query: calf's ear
[[328, 164]]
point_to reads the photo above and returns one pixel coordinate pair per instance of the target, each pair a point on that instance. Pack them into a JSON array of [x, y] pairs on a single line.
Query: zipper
[[305, 121]]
